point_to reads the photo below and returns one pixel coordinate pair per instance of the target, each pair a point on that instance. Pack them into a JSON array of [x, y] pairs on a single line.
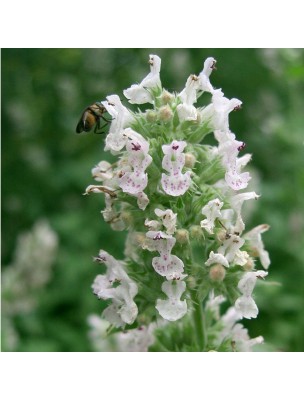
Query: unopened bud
[[249, 266], [182, 236], [217, 273], [166, 97], [191, 282], [253, 251], [196, 232], [151, 116], [190, 160], [221, 235], [165, 113]]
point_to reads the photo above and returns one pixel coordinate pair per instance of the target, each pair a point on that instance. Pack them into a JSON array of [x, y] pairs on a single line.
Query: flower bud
[[249, 266], [166, 97], [165, 113], [253, 251], [221, 235], [190, 160], [151, 116], [191, 282], [196, 232], [217, 273], [182, 236]]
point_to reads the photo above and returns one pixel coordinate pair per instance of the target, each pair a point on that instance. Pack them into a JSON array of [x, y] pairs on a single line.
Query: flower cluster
[[181, 202], [117, 286], [29, 272]]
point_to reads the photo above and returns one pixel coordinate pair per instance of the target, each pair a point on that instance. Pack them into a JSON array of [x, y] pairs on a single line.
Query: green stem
[[199, 323]]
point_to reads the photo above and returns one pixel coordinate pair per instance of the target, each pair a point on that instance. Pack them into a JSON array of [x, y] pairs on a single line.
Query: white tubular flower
[[186, 111], [230, 249], [153, 225], [229, 149], [139, 94], [213, 304], [166, 264], [241, 339], [102, 171], [204, 82], [121, 116], [168, 218], [176, 183], [245, 304], [142, 200], [241, 258], [123, 310], [136, 340], [112, 216], [212, 211], [217, 258], [255, 239], [236, 203], [173, 308], [221, 109], [134, 182], [237, 180]]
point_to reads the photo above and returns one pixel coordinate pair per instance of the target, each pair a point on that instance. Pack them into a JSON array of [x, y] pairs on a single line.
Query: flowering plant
[[187, 250]]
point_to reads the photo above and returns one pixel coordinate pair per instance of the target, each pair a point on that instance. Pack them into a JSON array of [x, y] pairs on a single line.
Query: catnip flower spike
[[181, 203]]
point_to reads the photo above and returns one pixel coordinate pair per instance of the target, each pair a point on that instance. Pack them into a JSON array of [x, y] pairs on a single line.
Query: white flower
[[173, 308], [168, 218], [245, 304], [229, 149], [142, 200], [116, 285], [102, 171], [139, 94], [216, 258], [230, 247], [136, 340], [176, 183], [213, 304], [204, 82], [112, 216], [153, 225], [212, 212], [121, 116], [241, 340], [131, 340], [221, 109], [236, 203], [166, 264], [255, 239], [134, 182], [241, 257], [237, 180], [194, 85], [186, 111]]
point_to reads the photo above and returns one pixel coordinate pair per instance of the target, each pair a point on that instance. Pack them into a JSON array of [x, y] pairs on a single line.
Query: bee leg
[[105, 119], [99, 128]]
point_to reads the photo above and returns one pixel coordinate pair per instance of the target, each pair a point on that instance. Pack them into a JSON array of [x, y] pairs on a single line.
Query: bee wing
[[79, 127]]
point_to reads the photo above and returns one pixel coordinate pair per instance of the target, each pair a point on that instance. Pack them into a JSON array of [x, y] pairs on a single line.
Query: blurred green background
[[46, 167]]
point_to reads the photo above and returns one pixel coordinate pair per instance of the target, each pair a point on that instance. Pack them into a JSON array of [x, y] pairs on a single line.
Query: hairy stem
[[199, 322]]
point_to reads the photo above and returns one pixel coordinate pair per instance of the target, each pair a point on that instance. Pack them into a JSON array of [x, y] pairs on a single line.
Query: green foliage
[[46, 168]]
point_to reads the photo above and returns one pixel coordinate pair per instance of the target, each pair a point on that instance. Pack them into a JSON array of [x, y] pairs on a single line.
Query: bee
[[91, 117]]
